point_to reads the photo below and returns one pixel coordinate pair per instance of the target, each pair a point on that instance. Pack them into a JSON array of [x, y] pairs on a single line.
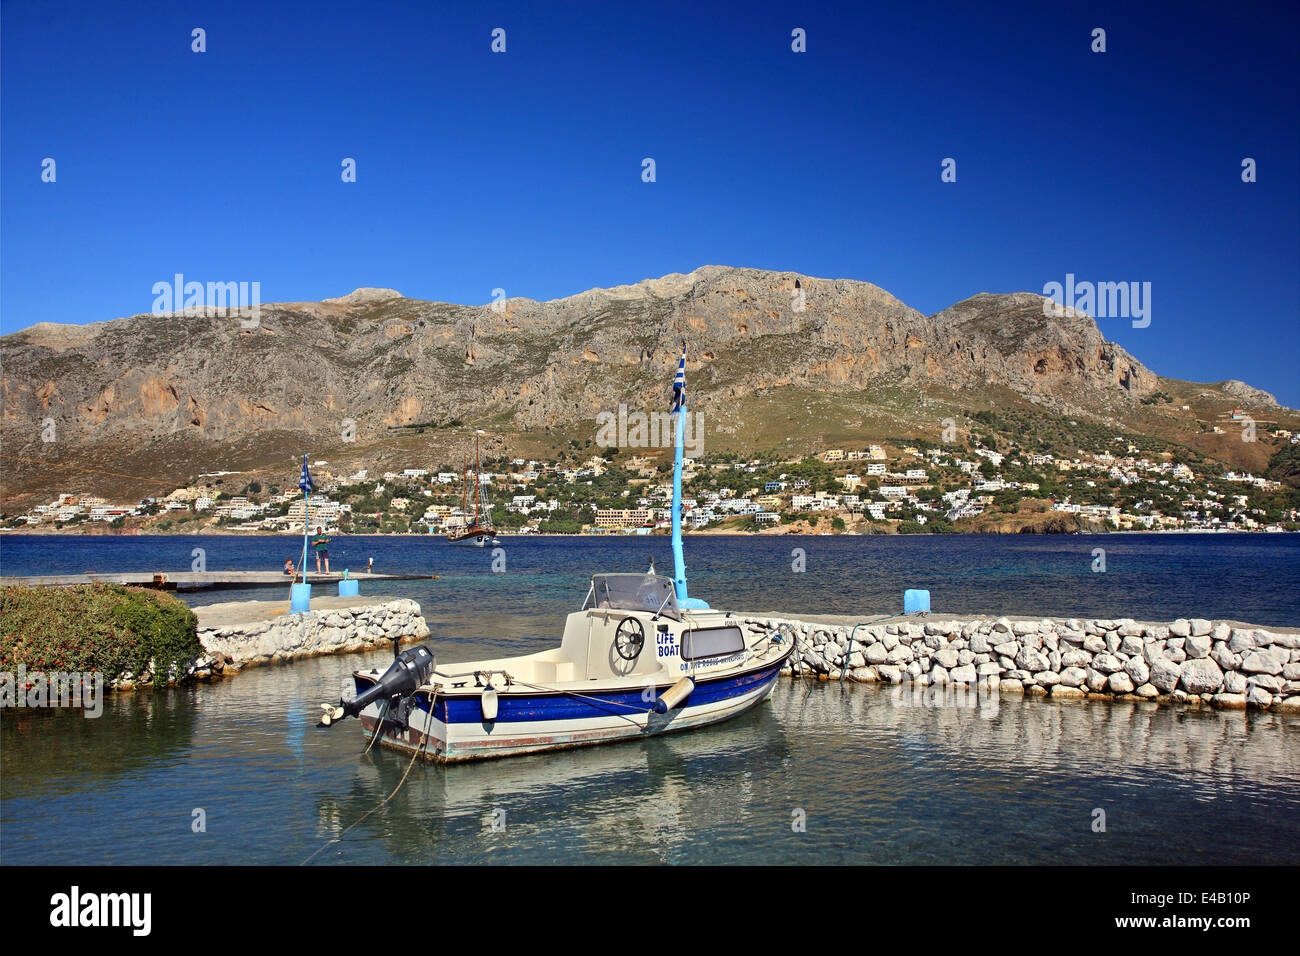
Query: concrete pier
[[199, 580]]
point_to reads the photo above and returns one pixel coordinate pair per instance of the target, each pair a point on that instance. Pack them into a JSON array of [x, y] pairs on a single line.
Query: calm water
[[879, 778]]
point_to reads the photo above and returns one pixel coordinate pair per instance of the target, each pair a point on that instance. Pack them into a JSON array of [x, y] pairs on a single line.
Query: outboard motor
[[409, 670]]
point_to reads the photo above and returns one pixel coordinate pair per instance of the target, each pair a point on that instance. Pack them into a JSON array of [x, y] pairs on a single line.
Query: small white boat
[[640, 658], [630, 664]]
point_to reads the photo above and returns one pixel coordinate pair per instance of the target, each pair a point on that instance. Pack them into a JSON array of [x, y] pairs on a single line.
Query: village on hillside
[[908, 487]]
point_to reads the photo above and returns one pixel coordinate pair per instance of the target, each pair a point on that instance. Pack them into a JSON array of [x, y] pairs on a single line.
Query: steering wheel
[[629, 638]]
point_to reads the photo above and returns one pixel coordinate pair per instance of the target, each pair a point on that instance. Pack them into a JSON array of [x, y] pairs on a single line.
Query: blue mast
[[679, 561], [307, 485]]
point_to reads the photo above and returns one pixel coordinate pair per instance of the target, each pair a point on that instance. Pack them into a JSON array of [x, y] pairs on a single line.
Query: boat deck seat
[[551, 672]]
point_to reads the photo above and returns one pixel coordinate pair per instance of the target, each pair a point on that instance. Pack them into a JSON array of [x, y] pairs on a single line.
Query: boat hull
[[554, 720], [474, 540]]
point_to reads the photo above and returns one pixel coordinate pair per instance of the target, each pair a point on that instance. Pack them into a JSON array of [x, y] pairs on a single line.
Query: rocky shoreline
[[1192, 662]]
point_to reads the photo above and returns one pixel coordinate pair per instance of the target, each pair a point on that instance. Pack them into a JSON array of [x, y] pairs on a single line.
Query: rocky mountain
[[776, 360]]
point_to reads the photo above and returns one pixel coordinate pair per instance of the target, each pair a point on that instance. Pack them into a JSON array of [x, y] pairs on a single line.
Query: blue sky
[[522, 170]]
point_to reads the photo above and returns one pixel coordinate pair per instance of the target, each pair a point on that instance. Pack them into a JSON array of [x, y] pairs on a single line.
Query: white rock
[[1120, 683], [1270, 682], [1242, 639], [1201, 676], [964, 674], [1031, 660], [1259, 697], [1259, 662], [1107, 663], [1132, 646], [1137, 669], [1073, 676], [1165, 674], [901, 654]]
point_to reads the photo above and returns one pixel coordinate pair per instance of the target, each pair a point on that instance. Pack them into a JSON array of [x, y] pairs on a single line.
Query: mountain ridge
[[195, 388]]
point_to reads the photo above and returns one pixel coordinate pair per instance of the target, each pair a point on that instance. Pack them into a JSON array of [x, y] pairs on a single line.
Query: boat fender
[[674, 695], [489, 703]]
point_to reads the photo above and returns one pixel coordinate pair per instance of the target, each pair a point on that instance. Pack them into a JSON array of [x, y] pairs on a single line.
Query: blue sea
[[1247, 577], [874, 777]]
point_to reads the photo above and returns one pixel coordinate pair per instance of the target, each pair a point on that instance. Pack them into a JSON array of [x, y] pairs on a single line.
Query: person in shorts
[[322, 545]]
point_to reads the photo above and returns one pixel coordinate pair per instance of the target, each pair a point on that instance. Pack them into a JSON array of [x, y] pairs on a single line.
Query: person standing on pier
[[322, 545]]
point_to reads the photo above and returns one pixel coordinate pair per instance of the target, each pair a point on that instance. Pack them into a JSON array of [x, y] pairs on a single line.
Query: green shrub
[[95, 627]]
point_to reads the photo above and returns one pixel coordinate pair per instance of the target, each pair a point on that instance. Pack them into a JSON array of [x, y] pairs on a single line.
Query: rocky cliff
[[179, 394]]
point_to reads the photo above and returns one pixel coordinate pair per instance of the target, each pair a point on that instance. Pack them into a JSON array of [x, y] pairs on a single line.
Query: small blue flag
[[679, 385], [305, 483]]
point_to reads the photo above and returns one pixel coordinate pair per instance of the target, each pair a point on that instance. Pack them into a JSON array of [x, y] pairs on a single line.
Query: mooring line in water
[[424, 740], [383, 714]]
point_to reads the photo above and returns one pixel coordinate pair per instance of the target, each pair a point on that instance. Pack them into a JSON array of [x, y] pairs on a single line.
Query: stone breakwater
[[230, 648], [1193, 662], [290, 636]]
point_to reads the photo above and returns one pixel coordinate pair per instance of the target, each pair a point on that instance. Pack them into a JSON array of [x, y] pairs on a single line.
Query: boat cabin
[[631, 627]]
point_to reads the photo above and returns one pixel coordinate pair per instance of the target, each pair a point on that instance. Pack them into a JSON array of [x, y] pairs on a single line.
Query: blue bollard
[[300, 598], [915, 601], [349, 587]]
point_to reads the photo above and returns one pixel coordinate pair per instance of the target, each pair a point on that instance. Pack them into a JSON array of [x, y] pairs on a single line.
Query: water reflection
[[1015, 781], [636, 800]]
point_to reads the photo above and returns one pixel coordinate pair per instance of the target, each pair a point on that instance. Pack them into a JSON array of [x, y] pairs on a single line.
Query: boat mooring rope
[[845, 669], [414, 753]]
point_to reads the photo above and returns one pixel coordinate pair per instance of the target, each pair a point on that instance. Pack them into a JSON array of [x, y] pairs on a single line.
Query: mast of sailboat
[[464, 486], [679, 561]]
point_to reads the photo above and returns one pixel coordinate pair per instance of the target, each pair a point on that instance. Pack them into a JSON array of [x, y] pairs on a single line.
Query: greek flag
[[305, 483], [679, 385]]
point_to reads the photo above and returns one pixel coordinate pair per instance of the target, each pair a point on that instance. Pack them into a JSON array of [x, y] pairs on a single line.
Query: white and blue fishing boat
[[641, 657]]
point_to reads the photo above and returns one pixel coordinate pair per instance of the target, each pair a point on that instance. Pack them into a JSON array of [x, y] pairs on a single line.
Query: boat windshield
[[634, 592]]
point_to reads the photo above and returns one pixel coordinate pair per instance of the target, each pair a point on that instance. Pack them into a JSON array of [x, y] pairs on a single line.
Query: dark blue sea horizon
[[1245, 577]]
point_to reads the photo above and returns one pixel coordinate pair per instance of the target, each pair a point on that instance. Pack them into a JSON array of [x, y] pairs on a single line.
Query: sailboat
[[639, 658], [479, 530]]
